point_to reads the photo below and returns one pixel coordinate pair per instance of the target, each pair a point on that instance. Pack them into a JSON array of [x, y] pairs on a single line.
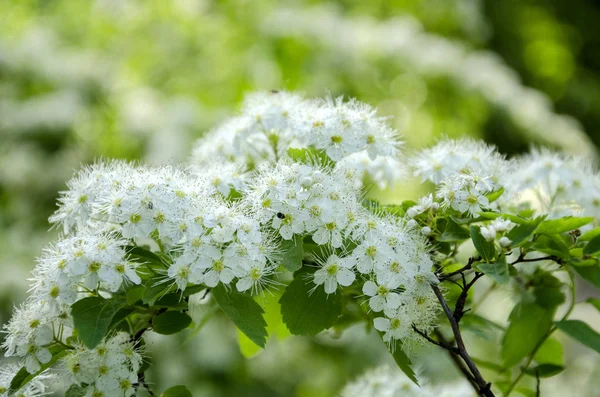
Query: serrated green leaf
[[562, 225], [550, 352], [581, 332], [269, 301], [528, 324], [453, 232], [292, 253], [246, 314], [92, 318], [521, 233], [307, 310], [498, 270], [177, 391], [134, 294], [402, 360], [547, 290], [589, 273], [170, 322], [592, 247], [485, 248], [552, 245]]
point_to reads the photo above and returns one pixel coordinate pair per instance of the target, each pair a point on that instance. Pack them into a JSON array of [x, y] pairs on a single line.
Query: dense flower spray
[[285, 178]]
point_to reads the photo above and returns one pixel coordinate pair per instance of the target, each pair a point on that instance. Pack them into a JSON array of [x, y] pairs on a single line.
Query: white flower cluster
[[558, 184], [385, 381], [109, 370], [349, 133], [210, 240], [302, 199]]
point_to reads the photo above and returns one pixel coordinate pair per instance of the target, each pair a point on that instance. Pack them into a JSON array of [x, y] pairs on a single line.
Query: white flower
[[335, 271], [382, 294]]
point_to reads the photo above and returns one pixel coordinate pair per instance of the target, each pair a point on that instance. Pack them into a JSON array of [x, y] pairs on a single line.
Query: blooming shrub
[[281, 189]]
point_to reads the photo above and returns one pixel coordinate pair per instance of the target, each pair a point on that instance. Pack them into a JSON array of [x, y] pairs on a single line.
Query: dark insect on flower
[[150, 206], [280, 215], [274, 91]]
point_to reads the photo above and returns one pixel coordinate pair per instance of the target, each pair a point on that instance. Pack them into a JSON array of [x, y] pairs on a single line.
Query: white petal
[[330, 285], [244, 284], [393, 300], [345, 277], [370, 288], [376, 303], [321, 236], [381, 324], [44, 356], [336, 239], [320, 276]]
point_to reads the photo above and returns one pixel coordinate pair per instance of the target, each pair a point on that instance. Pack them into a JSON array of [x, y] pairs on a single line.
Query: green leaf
[[155, 288], [520, 234], [550, 352], [528, 324], [495, 195], [134, 294], [141, 255], [177, 391], [170, 322], [269, 301], [246, 314], [23, 377], [562, 225], [310, 156], [76, 391], [552, 245], [589, 273], [545, 370], [592, 246], [486, 249], [292, 253], [400, 357], [524, 391], [453, 232], [498, 270], [594, 301], [547, 290], [92, 318], [589, 235], [307, 310], [581, 332]]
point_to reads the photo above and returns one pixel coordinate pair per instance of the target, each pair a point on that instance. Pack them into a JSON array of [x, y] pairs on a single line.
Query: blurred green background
[[134, 79]]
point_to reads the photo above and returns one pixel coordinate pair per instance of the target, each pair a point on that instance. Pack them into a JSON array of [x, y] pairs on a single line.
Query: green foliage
[[306, 309], [170, 322], [292, 253], [497, 270], [581, 332], [592, 247], [23, 377], [562, 225], [521, 233], [177, 391], [528, 324], [485, 248], [92, 318], [246, 314], [453, 231]]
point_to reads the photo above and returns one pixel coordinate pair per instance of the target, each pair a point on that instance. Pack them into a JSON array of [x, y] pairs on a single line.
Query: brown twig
[[484, 388]]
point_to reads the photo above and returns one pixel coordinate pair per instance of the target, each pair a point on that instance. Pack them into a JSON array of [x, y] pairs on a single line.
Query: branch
[[521, 259], [440, 343], [462, 298], [463, 269], [483, 386]]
